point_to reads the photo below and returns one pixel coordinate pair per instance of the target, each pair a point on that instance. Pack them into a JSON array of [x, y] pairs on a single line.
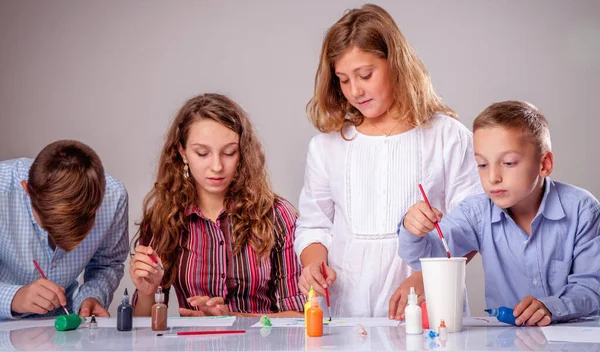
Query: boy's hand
[[420, 219], [530, 311], [90, 306], [39, 297]]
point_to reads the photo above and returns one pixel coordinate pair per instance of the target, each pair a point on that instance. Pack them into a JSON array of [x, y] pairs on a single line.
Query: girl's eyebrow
[[356, 69]]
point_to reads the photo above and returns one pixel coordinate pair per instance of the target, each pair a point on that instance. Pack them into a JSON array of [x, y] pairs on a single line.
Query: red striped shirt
[[207, 266]]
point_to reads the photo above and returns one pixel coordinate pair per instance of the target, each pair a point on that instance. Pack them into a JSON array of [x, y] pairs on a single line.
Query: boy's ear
[[547, 164], [24, 185]]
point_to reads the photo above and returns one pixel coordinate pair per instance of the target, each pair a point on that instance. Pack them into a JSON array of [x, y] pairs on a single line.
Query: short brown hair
[[517, 115], [66, 186]]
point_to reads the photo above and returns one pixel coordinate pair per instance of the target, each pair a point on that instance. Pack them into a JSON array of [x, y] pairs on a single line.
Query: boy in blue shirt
[[539, 239], [63, 211]]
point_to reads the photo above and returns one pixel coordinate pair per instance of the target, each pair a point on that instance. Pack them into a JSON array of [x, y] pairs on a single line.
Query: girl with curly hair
[[222, 236]]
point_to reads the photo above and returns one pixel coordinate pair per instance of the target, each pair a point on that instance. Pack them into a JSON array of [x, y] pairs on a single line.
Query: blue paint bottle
[[503, 314]]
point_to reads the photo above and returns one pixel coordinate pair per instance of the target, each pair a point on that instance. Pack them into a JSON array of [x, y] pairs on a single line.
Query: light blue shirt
[[101, 254], [559, 264]]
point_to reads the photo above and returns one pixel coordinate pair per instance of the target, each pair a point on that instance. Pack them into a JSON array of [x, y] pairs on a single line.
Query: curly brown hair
[[372, 30], [249, 199]]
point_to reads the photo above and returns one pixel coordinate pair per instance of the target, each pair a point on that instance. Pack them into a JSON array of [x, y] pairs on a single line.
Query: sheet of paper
[[138, 322], [565, 333], [299, 322], [483, 321]]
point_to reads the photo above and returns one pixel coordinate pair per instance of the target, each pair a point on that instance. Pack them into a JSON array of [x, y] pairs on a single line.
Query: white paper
[[483, 321], [138, 322], [335, 322], [572, 333]]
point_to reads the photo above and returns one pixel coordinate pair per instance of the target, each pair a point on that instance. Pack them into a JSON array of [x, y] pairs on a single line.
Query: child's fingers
[[198, 300], [536, 317], [142, 266], [331, 275], [546, 320], [401, 306], [525, 315], [303, 285], [215, 301], [142, 258], [317, 276], [520, 307], [438, 214]]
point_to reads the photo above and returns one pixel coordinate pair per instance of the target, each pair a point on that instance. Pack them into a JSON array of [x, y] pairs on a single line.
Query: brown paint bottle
[[159, 311]]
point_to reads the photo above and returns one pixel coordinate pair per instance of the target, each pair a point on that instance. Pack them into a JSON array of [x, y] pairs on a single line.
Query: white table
[[277, 339]]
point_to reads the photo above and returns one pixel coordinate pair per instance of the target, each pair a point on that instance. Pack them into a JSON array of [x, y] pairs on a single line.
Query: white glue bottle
[[412, 313]]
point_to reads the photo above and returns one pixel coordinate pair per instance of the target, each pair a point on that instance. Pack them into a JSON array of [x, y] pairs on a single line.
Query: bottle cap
[[93, 323], [314, 302], [412, 296], [311, 293], [159, 296]]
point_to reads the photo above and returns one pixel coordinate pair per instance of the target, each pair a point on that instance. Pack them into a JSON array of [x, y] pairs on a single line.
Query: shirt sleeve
[[581, 296], [286, 267], [105, 270], [7, 293], [315, 205], [460, 228]]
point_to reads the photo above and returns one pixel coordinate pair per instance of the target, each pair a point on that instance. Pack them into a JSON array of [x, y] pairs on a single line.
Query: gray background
[[113, 73]]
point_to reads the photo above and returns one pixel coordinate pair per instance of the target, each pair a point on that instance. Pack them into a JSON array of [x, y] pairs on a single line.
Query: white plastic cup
[[444, 280]]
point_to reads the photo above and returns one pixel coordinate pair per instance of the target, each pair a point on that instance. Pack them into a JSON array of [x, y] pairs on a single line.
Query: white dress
[[355, 193]]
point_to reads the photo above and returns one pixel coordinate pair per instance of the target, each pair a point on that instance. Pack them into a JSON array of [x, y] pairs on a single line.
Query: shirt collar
[[193, 209]]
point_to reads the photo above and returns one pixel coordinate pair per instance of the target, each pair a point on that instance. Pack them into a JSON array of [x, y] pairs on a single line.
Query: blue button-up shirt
[[559, 264], [101, 254]]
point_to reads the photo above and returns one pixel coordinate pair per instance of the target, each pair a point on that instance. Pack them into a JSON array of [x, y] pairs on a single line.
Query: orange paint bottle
[[314, 319]]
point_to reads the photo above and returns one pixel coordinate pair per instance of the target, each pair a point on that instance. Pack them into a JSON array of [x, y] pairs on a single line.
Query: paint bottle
[[503, 314], [413, 315], [159, 311], [68, 322], [311, 295], [125, 314], [443, 331], [314, 319]]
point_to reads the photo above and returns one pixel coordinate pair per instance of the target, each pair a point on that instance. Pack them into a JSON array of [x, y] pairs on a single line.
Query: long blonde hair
[[372, 30], [249, 200]]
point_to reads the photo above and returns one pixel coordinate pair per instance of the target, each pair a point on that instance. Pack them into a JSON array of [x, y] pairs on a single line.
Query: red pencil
[[153, 258], [326, 290], [44, 277], [208, 332], [437, 227], [211, 332]]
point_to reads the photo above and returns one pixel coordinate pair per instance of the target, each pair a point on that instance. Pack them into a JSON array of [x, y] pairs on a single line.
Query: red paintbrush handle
[[212, 332], [325, 277]]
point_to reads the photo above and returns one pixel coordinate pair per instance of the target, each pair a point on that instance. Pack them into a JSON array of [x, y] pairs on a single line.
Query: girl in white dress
[[384, 131]]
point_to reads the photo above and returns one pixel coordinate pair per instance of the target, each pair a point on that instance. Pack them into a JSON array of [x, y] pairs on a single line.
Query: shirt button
[[221, 243], [222, 276], [54, 264], [535, 281]]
